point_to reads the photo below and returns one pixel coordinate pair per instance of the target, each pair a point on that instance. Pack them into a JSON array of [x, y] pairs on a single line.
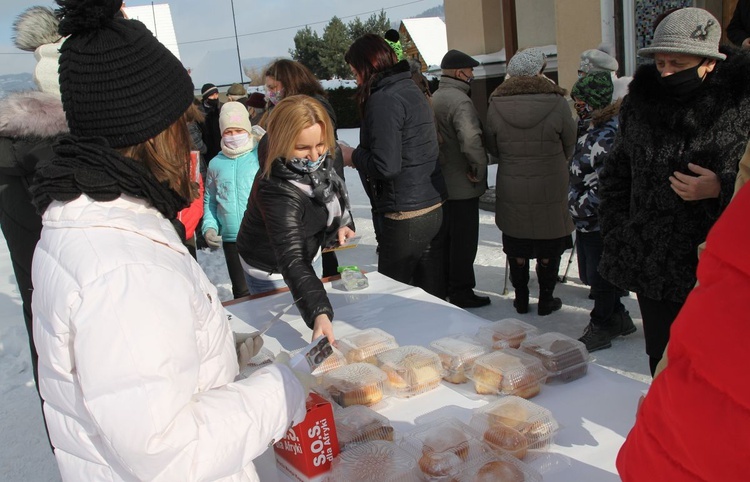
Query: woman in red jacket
[[693, 424]]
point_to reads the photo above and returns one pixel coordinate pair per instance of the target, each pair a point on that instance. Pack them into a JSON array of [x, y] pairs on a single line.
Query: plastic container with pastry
[[443, 448], [357, 424], [564, 358], [364, 345], [457, 354], [335, 360], [498, 468], [411, 370], [508, 372], [375, 461], [501, 420], [263, 358], [506, 333], [356, 384]]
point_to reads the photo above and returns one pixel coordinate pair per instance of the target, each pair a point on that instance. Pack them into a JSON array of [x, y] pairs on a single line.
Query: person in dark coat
[[298, 206], [683, 129], [210, 127], [592, 95], [463, 161], [397, 160], [531, 130], [738, 30]]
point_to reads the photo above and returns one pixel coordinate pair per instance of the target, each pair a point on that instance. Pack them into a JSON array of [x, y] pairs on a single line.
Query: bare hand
[[694, 188], [746, 43], [344, 234], [323, 326], [347, 153], [472, 177]]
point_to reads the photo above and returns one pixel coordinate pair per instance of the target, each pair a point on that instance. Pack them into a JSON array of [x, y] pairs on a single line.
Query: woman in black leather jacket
[[397, 159], [298, 205]]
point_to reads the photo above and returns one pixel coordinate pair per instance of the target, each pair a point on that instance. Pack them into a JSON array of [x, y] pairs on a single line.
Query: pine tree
[[336, 41], [307, 48]]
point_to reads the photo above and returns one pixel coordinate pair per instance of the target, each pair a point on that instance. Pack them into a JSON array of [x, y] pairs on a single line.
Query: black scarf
[[326, 184], [87, 165]]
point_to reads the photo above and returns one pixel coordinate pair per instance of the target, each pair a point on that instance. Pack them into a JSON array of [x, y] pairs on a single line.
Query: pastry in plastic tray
[[508, 332], [357, 424], [508, 371], [263, 358], [375, 461], [564, 358], [356, 384], [498, 468], [363, 346], [535, 423], [457, 354], [411, 370], [443, 448]]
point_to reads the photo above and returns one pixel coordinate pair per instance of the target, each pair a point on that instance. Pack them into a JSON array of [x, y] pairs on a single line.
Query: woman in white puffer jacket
[[136, 359]]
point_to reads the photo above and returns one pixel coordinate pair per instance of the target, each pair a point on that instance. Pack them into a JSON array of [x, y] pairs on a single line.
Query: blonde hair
[[288, 119], [167, 156]]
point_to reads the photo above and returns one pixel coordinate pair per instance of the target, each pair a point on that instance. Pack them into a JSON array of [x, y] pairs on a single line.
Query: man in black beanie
[[210, 128], [464, 164]]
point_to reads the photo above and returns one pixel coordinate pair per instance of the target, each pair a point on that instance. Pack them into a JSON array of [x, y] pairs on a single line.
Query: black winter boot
[[547, 276], [519, 277]]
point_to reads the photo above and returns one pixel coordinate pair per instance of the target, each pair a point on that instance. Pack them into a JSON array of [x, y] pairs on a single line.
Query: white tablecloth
[[595, 412]]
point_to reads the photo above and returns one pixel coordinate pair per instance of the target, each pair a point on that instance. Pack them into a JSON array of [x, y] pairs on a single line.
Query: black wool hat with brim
[[455, 59], [116, 79]]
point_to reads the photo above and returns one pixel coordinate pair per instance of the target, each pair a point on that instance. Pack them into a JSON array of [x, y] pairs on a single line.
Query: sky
[[265, 28]]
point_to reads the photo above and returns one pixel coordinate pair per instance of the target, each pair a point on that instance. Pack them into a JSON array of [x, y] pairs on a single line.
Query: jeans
[[411, 251], [257, 286], [606, 298], [236, 273], [461, 218]]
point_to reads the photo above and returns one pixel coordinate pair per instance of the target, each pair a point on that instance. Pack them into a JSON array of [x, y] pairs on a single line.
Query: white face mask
[[236, 141]]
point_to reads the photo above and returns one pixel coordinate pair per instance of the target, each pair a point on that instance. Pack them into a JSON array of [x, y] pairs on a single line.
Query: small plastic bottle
[[353, 278]]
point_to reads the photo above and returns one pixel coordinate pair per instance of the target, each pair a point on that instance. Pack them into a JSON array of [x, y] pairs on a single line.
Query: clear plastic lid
[[411, 370], [335, 360], [508, 371], [443, 448], [358, 424], [263, 358], [375, 461], [356, 384], [457, 354], [498, 468], [535, 423], [365, 345], [563, 357], [508, 332]]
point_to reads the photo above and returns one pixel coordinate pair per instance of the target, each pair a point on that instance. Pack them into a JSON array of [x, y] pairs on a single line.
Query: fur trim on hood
[[32, 114], [527, 85], [602, 116], [36, 26]]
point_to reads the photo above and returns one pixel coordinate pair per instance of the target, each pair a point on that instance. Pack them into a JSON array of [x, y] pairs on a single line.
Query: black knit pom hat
[[117, 81]]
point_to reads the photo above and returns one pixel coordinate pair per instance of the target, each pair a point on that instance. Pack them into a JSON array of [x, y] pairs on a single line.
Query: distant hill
[[16, 82], [438, 11]]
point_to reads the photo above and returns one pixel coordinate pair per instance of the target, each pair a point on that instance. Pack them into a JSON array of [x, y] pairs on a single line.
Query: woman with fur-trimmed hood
[[29, 124], [683, 129], [530, 128]]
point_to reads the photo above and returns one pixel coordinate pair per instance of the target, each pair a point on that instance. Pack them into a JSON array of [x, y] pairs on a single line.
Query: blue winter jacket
[[228, 184]]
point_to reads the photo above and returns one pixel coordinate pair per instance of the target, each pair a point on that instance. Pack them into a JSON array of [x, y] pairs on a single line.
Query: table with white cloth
[[595, 412]]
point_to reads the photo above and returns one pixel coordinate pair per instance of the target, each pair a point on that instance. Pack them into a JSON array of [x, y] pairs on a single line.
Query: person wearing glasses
[[298, 206]]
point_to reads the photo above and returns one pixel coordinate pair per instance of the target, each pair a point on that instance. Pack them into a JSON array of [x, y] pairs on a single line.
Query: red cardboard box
[[307, 450]]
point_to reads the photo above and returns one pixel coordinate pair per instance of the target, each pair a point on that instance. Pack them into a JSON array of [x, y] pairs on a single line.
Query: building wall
[[536, 22], [474, 26], [579, 28]]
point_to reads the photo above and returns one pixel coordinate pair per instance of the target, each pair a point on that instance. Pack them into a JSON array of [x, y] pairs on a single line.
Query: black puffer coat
[[281, 232], [398, 151], [650, 233]]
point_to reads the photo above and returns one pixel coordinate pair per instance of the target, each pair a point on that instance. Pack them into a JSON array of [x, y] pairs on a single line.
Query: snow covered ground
[[25, 454]]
